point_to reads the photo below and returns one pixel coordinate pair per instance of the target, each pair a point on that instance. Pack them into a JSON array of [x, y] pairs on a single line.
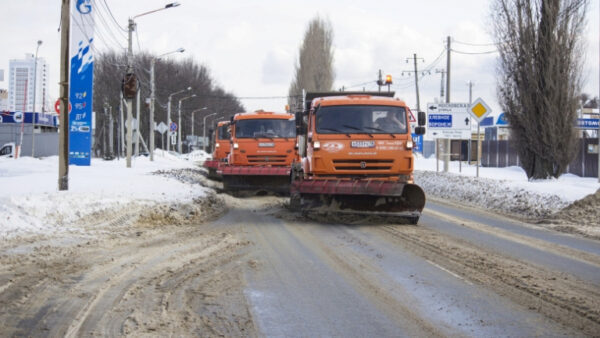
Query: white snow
[[30, 202], [502, 189]]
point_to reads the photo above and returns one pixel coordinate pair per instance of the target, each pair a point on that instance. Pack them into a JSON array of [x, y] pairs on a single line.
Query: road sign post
[[479, 110]]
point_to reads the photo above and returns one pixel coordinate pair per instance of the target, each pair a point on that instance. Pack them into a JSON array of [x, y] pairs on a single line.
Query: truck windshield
[[271, 128], [223, 132], [361, 119]]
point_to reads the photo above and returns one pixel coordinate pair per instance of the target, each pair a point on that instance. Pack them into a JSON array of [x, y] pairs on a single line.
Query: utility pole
[[417, 82], [63, 141], [443, 72], [137, 128], [129, 104], [179, 145], [470, 84], [121, 127], [110, 133], [448, 52], [34, 94], [204, 131], [447, 141], [153, 100]]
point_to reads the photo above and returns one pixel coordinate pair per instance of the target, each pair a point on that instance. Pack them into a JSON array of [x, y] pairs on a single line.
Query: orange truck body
[[221, 151], [357, 155], [262, 150]]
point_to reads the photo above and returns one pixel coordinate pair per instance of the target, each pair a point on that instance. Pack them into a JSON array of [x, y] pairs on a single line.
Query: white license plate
[[362, 144], [266, 144]]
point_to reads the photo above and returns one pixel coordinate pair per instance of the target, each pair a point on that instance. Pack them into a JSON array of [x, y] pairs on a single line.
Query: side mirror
[[422, 118], [301, 127], [420, 130]]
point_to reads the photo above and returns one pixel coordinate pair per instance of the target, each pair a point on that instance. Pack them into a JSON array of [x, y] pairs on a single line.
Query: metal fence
[[503, 154]]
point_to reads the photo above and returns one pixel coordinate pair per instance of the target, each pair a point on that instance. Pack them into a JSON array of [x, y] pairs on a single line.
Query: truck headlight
[[409, 144], [317, 145], [236, 146], [217, 145]]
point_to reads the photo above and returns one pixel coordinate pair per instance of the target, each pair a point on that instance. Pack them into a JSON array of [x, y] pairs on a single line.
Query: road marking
[[448, 271]]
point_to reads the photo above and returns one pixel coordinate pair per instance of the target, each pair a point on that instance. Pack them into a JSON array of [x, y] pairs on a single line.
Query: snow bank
[[31, 203], [503, 189]]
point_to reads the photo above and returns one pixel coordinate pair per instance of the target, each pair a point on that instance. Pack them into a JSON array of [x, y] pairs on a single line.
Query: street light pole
[[169, 111], [179, 146], [153, 98], [197, 110], [129, 72], [204, 132], [34, 92]]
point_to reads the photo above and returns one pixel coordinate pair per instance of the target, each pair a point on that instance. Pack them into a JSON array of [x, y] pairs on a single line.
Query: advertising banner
[[81, 82]]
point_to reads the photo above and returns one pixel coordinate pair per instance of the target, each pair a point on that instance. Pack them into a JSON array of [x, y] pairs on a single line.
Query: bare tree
[[314, 70], [540, 78], [171, 76]]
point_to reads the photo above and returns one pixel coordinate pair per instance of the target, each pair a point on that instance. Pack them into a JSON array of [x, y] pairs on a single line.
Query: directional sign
[[502, 121], [173, 126], [161, 128], [588, 123], [479, 110], [448, 120]]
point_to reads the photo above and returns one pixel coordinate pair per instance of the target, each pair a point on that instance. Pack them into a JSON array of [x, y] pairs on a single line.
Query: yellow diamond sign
[[479, 110]]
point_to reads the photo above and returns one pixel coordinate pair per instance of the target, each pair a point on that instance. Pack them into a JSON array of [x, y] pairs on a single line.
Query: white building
[[3, 100], [20, 84]]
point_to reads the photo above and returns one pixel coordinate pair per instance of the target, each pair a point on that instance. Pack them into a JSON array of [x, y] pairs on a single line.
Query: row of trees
[[171, 76]]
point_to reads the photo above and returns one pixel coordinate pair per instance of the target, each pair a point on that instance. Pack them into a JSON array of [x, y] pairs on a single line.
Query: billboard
[[81, 82]]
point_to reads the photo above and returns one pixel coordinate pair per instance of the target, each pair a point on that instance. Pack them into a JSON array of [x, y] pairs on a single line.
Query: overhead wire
[[474, 53], [473, 44], [112, 16]]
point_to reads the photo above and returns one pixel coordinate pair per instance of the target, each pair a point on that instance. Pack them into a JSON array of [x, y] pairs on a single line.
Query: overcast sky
[[251, 47]]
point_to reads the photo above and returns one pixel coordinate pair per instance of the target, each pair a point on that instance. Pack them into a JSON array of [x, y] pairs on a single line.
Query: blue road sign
[[440, 121], [417, 143], [486, 122], [173, 126], [502, 121], [587, 123]]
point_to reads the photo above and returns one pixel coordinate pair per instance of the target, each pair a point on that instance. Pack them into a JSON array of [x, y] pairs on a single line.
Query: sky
[[251, 47]]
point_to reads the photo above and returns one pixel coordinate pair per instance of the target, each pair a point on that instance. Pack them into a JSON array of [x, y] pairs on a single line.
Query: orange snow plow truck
[[262, 152], [222, 148], [356, 156]]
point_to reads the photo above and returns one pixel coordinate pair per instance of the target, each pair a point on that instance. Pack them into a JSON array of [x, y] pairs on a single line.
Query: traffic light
[[388, 79]]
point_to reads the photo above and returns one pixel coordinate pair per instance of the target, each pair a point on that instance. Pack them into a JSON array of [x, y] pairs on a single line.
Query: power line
[[473, 44], [113, 17], [473, 53]]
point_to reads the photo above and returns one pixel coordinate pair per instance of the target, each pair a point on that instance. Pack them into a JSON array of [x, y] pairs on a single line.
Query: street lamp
[[197, 110], [153, 97], [131, 83], [34, 92], [204, 132], [169, 110], [179, 122]]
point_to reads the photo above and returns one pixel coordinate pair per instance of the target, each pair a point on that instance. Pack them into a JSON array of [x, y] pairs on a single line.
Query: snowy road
[[260, 270]]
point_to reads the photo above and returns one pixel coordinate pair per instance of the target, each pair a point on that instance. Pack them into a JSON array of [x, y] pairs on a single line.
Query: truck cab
[[222, 146], [358, 136], [262, 139], [262, 150]]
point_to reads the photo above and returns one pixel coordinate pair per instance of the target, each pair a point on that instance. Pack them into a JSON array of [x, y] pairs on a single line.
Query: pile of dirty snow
[[30, 202]]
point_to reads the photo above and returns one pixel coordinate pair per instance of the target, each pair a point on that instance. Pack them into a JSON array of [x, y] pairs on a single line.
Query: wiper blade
[[336, 130], [379, 129]]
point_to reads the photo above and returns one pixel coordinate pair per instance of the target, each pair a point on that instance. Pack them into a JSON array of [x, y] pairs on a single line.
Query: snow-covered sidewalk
[[30, 202], [507, 190]]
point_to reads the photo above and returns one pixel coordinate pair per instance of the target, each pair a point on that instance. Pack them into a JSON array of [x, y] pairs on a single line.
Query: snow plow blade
[[256, 180], [367, 197], [212, 166]]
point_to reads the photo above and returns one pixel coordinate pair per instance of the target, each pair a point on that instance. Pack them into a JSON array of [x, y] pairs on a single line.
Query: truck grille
[[262, 159], [358, 165]]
